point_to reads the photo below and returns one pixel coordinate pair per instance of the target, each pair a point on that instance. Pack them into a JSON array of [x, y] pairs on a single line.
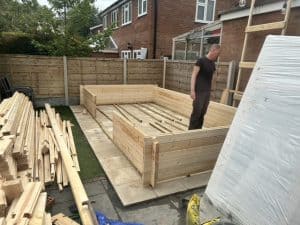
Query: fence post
[[164, 72], [230, 80], [125, 71], [66, 85]]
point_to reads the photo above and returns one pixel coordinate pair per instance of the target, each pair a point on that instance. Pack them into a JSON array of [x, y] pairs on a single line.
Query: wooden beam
[[13, 189], [247, 65], [79, 193], [38, 215], [266, 26]]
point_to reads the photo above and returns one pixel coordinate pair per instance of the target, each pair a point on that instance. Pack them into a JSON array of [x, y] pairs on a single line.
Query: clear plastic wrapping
[[257, 175]]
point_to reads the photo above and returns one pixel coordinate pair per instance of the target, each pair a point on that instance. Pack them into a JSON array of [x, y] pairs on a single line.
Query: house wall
[[139, 32], [233, 37], [174, 18], [178, 17]]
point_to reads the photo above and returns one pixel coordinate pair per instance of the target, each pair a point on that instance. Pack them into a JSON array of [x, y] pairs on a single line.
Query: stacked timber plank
[[30, 158], [27, 143]]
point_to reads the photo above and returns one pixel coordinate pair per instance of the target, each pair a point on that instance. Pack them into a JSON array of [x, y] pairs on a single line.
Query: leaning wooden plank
[[72, 145], [18, 118], [48, 219], [71, 138], [37, 152], [41, 171], [39, 210], [47, 172], [17, 212], [64, 176], [13, 189], [59, 176], [11, 209], [19, 144], [81, 198], [23, 116], [36, 191]]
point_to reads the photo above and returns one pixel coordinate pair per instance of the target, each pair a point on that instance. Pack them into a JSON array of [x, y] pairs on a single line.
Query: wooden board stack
[[29, 160]]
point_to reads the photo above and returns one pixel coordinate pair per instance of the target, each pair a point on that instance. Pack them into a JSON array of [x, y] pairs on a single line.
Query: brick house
[[234, 22], [152, 24]]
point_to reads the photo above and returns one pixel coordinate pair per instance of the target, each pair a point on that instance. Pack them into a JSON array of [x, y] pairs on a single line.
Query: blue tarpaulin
[[103, 220]]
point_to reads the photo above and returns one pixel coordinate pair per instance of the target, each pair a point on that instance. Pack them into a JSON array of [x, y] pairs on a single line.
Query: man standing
[[201, 85]]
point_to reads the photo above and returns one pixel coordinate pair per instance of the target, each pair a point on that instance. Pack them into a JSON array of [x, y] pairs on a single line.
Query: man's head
[[214, 52]]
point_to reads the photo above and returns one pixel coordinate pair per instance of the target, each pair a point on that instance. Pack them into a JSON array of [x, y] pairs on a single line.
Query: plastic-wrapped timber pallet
[[256, 178]]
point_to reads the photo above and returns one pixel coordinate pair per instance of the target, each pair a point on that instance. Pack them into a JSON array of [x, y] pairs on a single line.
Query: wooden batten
[[30, 205], [48, 219], [65, 180], [79, 193], [47, 172], [59, 175], [38, 215], [12, 189]]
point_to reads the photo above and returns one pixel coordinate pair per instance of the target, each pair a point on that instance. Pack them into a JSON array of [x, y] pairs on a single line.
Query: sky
[[100, 4]]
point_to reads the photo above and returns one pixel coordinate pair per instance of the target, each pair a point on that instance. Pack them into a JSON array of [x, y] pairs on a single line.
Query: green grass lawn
[[89, 164]]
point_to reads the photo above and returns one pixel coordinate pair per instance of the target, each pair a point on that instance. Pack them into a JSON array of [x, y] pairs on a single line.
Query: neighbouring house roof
[[261, 7]]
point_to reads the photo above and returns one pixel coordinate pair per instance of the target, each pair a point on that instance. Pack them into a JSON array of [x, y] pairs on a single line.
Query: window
[[114, 17], [126, 13], [205, 10], [142, 7], [104, 21]]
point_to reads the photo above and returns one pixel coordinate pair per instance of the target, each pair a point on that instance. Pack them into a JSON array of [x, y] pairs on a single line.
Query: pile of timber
[[30, 158], [28, 144]]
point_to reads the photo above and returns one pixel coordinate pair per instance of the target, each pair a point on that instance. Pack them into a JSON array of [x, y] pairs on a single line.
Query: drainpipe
[[155, 28]]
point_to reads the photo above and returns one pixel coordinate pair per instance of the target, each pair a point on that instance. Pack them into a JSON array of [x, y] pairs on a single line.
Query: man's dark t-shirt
[[204, 77]]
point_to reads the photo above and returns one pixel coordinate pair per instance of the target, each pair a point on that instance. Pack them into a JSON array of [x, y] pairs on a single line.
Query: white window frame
[[128, 8], [143, 11], [104, 22], [205, 5], [114, 17]]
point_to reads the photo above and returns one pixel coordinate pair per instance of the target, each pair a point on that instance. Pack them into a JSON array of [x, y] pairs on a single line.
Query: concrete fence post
[[164, 72], [66, 85], [125, 71]]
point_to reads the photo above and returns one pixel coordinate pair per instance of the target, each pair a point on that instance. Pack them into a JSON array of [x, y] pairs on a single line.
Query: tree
[[62, 7], [82, 17], [27, 27]]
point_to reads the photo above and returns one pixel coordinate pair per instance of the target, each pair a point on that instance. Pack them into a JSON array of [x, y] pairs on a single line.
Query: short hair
[[214, 46]]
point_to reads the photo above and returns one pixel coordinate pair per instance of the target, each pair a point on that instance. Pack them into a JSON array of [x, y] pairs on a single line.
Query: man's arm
[[193, 81]]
